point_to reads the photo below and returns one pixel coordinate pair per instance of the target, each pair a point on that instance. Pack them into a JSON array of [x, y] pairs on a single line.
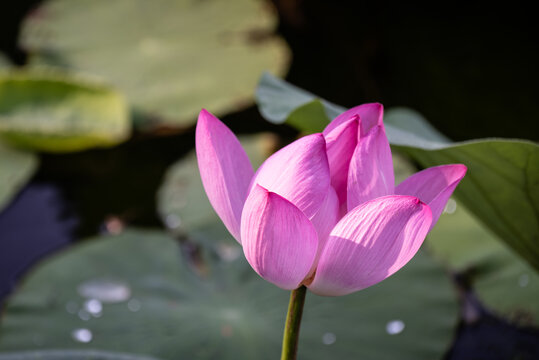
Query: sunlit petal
[[371, 243], [278, 240], [371, 114], [371, 169], [298, 172], [433, 186], [341, 143], [324, 221], [224, 168]]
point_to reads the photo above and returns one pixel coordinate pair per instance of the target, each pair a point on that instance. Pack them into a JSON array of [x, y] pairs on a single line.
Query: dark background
[[471, 69]]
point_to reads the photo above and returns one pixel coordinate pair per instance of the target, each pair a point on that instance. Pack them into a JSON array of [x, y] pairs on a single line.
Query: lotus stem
[[293, 322]]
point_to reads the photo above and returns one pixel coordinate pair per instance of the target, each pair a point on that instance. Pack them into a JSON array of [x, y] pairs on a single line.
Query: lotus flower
[[324, 211]]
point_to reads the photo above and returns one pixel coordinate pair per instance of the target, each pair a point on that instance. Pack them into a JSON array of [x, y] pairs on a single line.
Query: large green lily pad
[[71, 355], [153, 304], [502, 184], [16, 168], [502, 280], [51, 111], [170, 57]]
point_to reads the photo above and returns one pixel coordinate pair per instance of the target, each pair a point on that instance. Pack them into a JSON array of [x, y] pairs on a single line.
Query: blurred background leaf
[[502, 183], [16, 168], [503, 281], [51, 111], [151, 302], [277, 100], [4, 62], [171, 58], [501, 186]]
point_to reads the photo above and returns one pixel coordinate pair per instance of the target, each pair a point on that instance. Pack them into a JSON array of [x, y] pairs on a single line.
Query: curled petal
[[224, 168], [371, 114], [324, 221], [298, 172], [434, 186], [371, 243], [341, 143], [278, 240], [371, 169]]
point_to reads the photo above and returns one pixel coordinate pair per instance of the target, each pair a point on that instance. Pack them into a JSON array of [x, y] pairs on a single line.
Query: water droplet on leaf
[[82, 335], [394, 327], [84, 315], [72, 307], [134, 305], [523, 280], [450, 207], [94, 307], [329, 338], [107, 291]]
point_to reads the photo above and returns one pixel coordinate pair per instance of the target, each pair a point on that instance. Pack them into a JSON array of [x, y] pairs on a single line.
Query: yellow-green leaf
[[50, 111]]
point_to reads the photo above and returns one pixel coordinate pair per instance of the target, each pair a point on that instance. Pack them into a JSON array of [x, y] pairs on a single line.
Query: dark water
[[491, 338], [38, 222]]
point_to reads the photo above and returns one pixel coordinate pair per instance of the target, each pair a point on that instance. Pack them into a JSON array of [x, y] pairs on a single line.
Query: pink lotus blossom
[[323, 211]]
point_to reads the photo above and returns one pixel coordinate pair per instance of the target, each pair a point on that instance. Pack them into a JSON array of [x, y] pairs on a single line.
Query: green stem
[[293, 322]]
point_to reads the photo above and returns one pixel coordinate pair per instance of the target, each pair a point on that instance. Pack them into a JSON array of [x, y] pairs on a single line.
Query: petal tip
[[455, 172], [203, 114], [318, 137], [206, 120], [459, 171], [376, 105], [412, 199], [462, 168], [418, 201]]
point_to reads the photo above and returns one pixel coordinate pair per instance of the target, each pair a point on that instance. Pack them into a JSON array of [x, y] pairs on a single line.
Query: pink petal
[[341, 143], [371, 169], [371, 114], [324, 221], [298, 172], [224, 168], [278, 240], [371, 243], [434, 186]]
